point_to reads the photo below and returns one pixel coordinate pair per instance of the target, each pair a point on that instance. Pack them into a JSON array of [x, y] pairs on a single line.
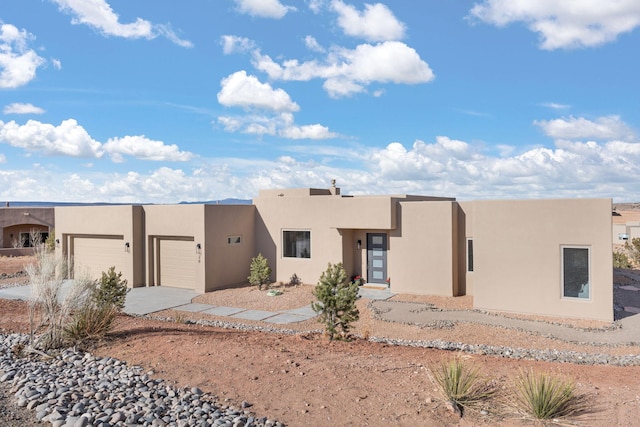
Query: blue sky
[[159, 101]]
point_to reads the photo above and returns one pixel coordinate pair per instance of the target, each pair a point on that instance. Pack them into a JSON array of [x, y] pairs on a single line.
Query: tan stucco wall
[[275, 214], [96, 221], [517, 254], [175, 222], [228, 265], [422, 249]]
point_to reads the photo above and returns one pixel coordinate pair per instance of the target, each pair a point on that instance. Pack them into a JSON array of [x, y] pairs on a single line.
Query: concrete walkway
[[147, 300]]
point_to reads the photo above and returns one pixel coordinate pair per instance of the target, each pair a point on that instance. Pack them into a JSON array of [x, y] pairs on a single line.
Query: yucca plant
[[461, 384], [90, 322], [544, 396]]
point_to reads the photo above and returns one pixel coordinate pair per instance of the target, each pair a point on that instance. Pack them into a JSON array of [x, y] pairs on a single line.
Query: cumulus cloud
[[242, 90], [349, 71], [19, 108], [144, 148], [18, 63], [3, 158], [376, 23], [603, 128], [269, 111], [99, 15], [263, 8], [67, 139], [72, 140], [564, 24], [312, 44]]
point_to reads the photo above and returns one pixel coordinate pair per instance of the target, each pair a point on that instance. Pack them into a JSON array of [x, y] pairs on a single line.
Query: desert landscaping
[[293, 375]]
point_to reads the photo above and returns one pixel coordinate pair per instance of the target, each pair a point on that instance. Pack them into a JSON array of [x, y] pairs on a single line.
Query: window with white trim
[[296, 244], [234, 240], [576, 272]]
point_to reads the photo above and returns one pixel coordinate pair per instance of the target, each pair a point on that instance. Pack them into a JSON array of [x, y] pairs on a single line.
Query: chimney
[[334, 190]]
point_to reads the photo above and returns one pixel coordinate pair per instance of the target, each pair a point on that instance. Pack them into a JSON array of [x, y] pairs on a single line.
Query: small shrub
[[545, 397], [461, 385], [90, 322], [294, 280], [336, 302], [50, 242], [259, 271], [111, 290], [621, 260]]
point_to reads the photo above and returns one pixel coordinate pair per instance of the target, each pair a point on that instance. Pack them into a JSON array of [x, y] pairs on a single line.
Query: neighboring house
[[542, 257], [22, 227], [626, 226]]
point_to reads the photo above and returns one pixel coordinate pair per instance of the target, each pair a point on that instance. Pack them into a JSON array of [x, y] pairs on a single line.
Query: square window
[[575, 272], [296, 244]]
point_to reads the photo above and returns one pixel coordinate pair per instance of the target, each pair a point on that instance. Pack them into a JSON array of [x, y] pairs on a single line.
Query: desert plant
[[621, 260], [461, 384], [336, 301], [111, 290], [90, 321], [294, 280], [259, 271], [634, 249], [49, 307], [50, 241], [543, 396]]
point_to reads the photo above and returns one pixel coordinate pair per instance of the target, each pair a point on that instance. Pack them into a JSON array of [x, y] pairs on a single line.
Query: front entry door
[[376, 258]]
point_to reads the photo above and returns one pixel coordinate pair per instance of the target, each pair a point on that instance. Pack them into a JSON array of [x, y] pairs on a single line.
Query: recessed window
[[234, 240], [296, 244], [469, 254], [575, 272]]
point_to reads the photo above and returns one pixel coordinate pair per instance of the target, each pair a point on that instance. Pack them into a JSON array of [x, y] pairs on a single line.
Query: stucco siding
[[517, 255]]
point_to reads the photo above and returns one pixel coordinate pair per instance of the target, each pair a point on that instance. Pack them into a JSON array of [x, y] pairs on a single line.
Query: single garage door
[[95, 255], [177, 263]]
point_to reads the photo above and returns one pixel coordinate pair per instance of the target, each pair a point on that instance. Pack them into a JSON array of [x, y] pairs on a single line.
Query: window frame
[[469, 255], [285, 243], [589, 296], [237, 238]]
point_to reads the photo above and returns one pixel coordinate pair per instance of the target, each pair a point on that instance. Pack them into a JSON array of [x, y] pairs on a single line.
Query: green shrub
[[50, 242], [111, 290], [461, 384], [545, 397], [336, 302], [621, 260], [259, 271]]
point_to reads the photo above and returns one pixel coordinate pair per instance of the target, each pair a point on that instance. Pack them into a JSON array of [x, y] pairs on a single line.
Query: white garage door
[[95, 255], [177, 264]]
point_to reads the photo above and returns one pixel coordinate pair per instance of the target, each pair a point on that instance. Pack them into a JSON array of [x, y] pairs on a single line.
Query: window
[[31, 239], [296, 244], [575, 272], [234, 240], [469, 254]]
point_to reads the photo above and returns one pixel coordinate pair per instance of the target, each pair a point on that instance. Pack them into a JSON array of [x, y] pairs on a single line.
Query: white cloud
[[18, 63], [263, 8], [56, 64], [67, 139], [603, 128], [281, 125], [99, 15], [564, 24], [3, 158], [556, 106], [242, 90], [19, 108], [232, 44], [347, 71], [376, 23], [312, 44], [72, 140], [143, 148]]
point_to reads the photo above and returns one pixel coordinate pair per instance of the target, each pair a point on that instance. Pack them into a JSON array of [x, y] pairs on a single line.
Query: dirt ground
[[303, 379]]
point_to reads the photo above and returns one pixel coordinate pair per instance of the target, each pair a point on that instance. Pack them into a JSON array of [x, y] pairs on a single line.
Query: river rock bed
[[77, 389]]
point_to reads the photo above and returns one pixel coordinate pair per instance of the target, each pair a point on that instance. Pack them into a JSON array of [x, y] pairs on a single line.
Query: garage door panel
[[95, 255], [177, 264]]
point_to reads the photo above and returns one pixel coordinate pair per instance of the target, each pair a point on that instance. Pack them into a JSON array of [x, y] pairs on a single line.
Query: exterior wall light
[[359, 244], [57, 243], [198, 248], [126, 247]]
